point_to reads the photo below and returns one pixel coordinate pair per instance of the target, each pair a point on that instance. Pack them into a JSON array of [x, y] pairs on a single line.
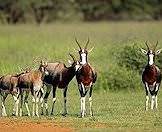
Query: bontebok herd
[[52, 75]]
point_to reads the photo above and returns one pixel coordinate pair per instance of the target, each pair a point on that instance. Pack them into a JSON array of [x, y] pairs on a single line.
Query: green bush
[[131, 57], [119, 78], [126, 70]]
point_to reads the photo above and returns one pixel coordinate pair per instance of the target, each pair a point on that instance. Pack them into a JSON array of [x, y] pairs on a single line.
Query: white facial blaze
[[151, 58], [83, 56]]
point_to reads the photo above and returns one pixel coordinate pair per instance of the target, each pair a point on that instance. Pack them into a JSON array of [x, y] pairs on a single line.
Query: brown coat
[[9, 83]]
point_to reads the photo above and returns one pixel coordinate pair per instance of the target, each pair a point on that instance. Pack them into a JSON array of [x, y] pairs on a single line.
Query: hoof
[[80, 116], [47, 113], [91, 114], [4, 115], [64, 114], [13, 114]]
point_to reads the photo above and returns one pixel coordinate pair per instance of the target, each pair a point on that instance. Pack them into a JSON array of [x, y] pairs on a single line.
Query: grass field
[[114, 110]]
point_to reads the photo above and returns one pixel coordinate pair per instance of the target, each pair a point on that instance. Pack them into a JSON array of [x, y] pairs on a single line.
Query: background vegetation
[[14, 11], [116, 57], [118, 96]]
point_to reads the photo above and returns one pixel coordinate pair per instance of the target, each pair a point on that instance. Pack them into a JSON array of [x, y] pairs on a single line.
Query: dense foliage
[[126, 74], [14, 11]]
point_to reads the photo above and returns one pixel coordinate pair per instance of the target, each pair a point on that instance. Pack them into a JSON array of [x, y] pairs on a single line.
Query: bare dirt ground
[[8, 125]]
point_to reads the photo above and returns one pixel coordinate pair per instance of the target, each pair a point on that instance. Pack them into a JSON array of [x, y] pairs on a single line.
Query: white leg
[[152, 102], [84, 110], [27, 108], [20, 111], [17, 107], [14, 108], [16, 104], [90, 106], [37, 101], [26, 102], [65, 100], [41, 99], [147, 101], [65, 109], [147, 97], [41, 102], [49, 87], [21, 102], [90, 101], [46, 106], [3, 109], [33, 108], [81, 105], [3, 98], [53, 100], [156, 103]]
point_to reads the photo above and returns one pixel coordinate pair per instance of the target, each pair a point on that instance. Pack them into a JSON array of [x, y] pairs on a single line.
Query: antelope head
[[75, 64], [43, 67], [83, 52], [151, 53]]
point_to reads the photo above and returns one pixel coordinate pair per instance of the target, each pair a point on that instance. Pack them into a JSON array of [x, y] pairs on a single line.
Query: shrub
[[131, 57], [119, 78]]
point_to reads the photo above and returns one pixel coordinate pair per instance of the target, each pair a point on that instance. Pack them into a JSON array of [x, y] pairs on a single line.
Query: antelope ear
[[144, 51], [158, 51], [42, 62], [70, 62], [45, 63]]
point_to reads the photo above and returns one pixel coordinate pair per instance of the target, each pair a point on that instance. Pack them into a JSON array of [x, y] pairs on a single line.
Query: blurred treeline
[[14, 11]]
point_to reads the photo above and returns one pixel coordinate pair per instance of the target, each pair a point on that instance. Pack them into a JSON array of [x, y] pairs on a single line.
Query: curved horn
[[91, 49], [87, 43], [78, 43], [20, 69], [155, 45], [36, 59], [147, 45], [72, 57]]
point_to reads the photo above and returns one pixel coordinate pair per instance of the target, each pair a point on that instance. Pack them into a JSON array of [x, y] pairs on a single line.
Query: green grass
[[114, 111]]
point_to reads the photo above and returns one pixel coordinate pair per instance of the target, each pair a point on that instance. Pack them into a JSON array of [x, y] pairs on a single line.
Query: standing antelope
[[59, 76], [86, 76], [8, 85], [31, 81], [151, 76]]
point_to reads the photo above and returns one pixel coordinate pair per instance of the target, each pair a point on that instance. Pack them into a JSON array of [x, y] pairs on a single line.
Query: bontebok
[[31, 81], [151, 76], [86, 77], [59, 76]]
